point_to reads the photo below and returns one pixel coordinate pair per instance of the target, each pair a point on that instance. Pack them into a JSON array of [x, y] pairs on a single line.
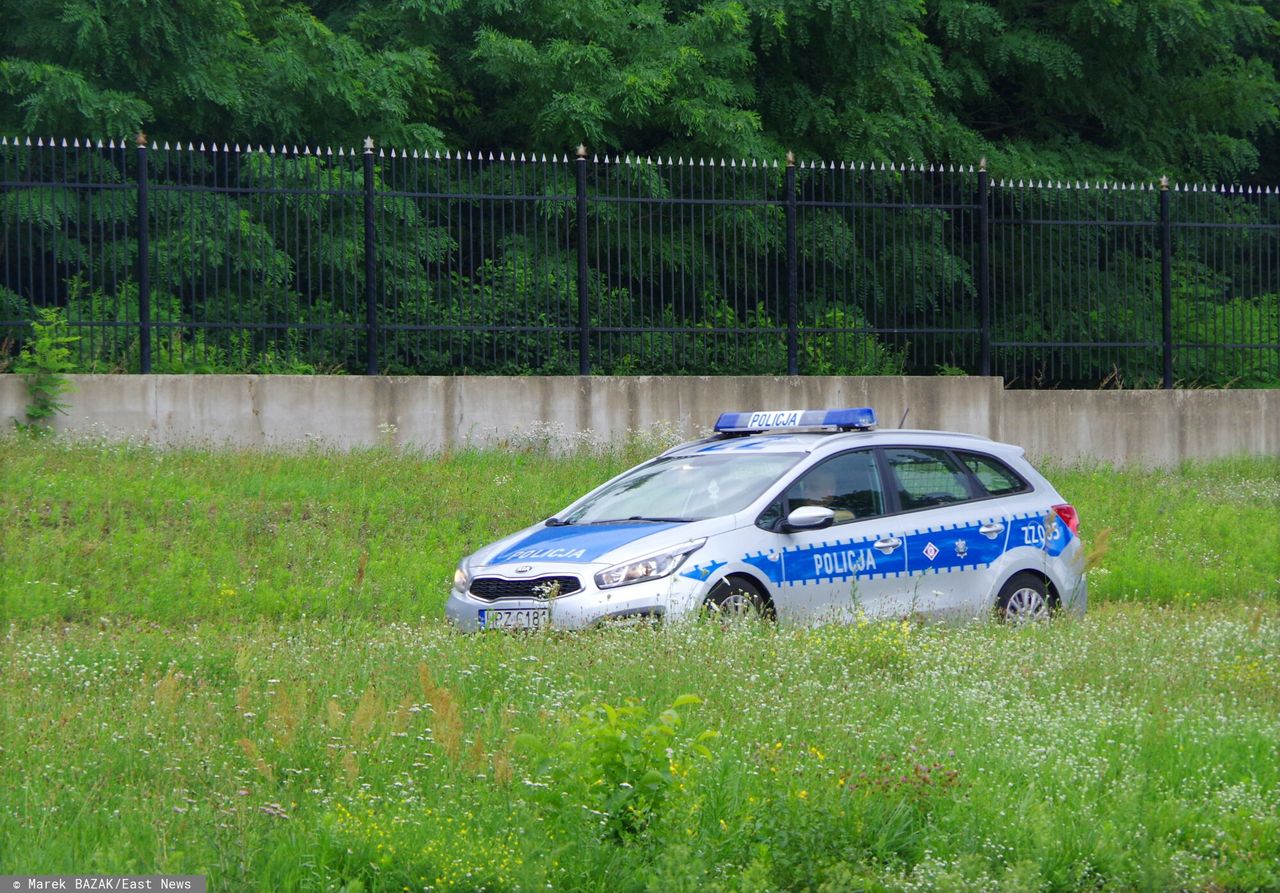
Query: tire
[[737, 597], [1024, 599]]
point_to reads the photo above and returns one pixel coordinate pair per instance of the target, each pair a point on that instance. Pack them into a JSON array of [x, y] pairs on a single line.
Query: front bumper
[[669, 597]]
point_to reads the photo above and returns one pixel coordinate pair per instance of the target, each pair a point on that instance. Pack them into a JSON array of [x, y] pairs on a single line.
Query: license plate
[[520, 618]]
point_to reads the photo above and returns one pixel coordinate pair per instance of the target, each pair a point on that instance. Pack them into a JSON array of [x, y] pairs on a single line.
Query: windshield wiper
[[645, 518], [556, 522]]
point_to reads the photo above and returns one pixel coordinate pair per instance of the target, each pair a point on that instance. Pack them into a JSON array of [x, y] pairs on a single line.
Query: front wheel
[[736, 597], [1024, 599]]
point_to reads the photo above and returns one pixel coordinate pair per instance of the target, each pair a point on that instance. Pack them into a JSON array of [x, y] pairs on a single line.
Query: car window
[[996, 477], [685, 488], [925, 478], [848, 484]]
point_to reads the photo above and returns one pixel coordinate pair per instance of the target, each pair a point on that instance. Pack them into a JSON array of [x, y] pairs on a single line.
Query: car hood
[[593, 543]]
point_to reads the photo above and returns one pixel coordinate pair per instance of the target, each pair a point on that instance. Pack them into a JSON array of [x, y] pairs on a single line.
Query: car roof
[[780, 441]]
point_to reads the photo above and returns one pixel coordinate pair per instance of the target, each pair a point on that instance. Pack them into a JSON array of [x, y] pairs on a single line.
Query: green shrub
[[617, 763], [43, 364]]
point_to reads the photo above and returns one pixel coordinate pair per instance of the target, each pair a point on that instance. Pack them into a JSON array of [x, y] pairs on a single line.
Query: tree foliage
[[1079, 90], [1085, 88]]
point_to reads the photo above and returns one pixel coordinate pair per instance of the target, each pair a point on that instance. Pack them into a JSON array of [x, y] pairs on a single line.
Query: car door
[[950, 532], [843, 570]]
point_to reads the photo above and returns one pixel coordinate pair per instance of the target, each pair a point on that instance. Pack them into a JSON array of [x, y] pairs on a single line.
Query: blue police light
[[861, 418]]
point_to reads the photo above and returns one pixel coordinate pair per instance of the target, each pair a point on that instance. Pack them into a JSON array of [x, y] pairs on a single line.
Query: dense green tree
[[259, 71], [1099, 88], [1085, 87], [617, 74], [1077, 90]]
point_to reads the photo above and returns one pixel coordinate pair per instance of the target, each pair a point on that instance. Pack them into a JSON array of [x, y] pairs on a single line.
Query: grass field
[[233, 665], [108, 530]]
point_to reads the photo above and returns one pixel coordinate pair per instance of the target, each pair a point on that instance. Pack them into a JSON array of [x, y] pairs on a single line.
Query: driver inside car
[[822, 487]]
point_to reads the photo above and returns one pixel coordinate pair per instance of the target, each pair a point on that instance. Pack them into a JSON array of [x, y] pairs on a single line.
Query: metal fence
[[229, 258]]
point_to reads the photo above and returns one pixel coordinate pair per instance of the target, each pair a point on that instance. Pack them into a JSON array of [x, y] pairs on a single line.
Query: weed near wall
[[44, 364]]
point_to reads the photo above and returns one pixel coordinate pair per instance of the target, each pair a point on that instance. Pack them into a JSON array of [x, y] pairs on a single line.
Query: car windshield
[[684, 488]]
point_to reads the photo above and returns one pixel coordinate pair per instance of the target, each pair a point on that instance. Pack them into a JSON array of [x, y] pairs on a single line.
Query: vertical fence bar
[[1055, 238], [584, 316], [1166, 282], [793, 309], [144, 261], [981, 212], [370, 266]]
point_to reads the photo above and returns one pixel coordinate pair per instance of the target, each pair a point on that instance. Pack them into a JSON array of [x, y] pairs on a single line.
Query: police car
[[798, 515]]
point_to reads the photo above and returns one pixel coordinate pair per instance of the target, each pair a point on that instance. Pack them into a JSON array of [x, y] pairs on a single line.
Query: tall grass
[[1138, 748], [165, 705], [94, 530], [113, 529], [1208, 530]]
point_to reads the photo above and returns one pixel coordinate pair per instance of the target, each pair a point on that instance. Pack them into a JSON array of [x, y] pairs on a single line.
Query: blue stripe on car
[[958, 547], [577, 544], [702, 571]]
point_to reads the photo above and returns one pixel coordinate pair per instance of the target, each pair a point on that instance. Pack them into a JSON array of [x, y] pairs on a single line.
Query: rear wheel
[[737, 597], [1024, 599]]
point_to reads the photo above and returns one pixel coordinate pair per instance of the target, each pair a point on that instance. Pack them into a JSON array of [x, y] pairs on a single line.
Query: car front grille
[[495, 588]]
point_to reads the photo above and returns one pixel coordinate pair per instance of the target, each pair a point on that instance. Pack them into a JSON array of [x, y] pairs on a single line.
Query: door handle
[[888, 544], [991, 531]]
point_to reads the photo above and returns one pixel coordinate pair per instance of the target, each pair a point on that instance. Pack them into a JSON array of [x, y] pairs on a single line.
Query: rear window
[[996, 477], [926, 478]]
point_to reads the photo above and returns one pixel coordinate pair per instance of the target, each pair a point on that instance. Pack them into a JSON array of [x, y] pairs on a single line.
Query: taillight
[[1067, 514]]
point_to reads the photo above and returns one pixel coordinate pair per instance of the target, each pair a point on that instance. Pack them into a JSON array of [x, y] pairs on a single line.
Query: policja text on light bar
[[862, 418]]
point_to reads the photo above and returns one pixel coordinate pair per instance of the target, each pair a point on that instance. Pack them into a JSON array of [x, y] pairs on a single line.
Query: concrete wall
[[433, 413]]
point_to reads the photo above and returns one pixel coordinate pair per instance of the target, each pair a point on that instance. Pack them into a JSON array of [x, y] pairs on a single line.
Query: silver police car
[[798, 515]]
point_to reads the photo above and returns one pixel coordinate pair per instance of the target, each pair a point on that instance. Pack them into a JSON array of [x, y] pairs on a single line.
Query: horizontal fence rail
[[222, 258]]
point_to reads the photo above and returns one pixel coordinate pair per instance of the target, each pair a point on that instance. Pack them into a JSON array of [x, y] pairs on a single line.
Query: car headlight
[[462, 578], [650, 567]]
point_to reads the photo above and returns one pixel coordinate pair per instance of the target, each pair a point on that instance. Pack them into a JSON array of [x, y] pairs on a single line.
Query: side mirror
[[809, 517]]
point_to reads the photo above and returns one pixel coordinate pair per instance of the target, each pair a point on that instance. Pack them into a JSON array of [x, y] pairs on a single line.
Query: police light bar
[[861, 418]]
